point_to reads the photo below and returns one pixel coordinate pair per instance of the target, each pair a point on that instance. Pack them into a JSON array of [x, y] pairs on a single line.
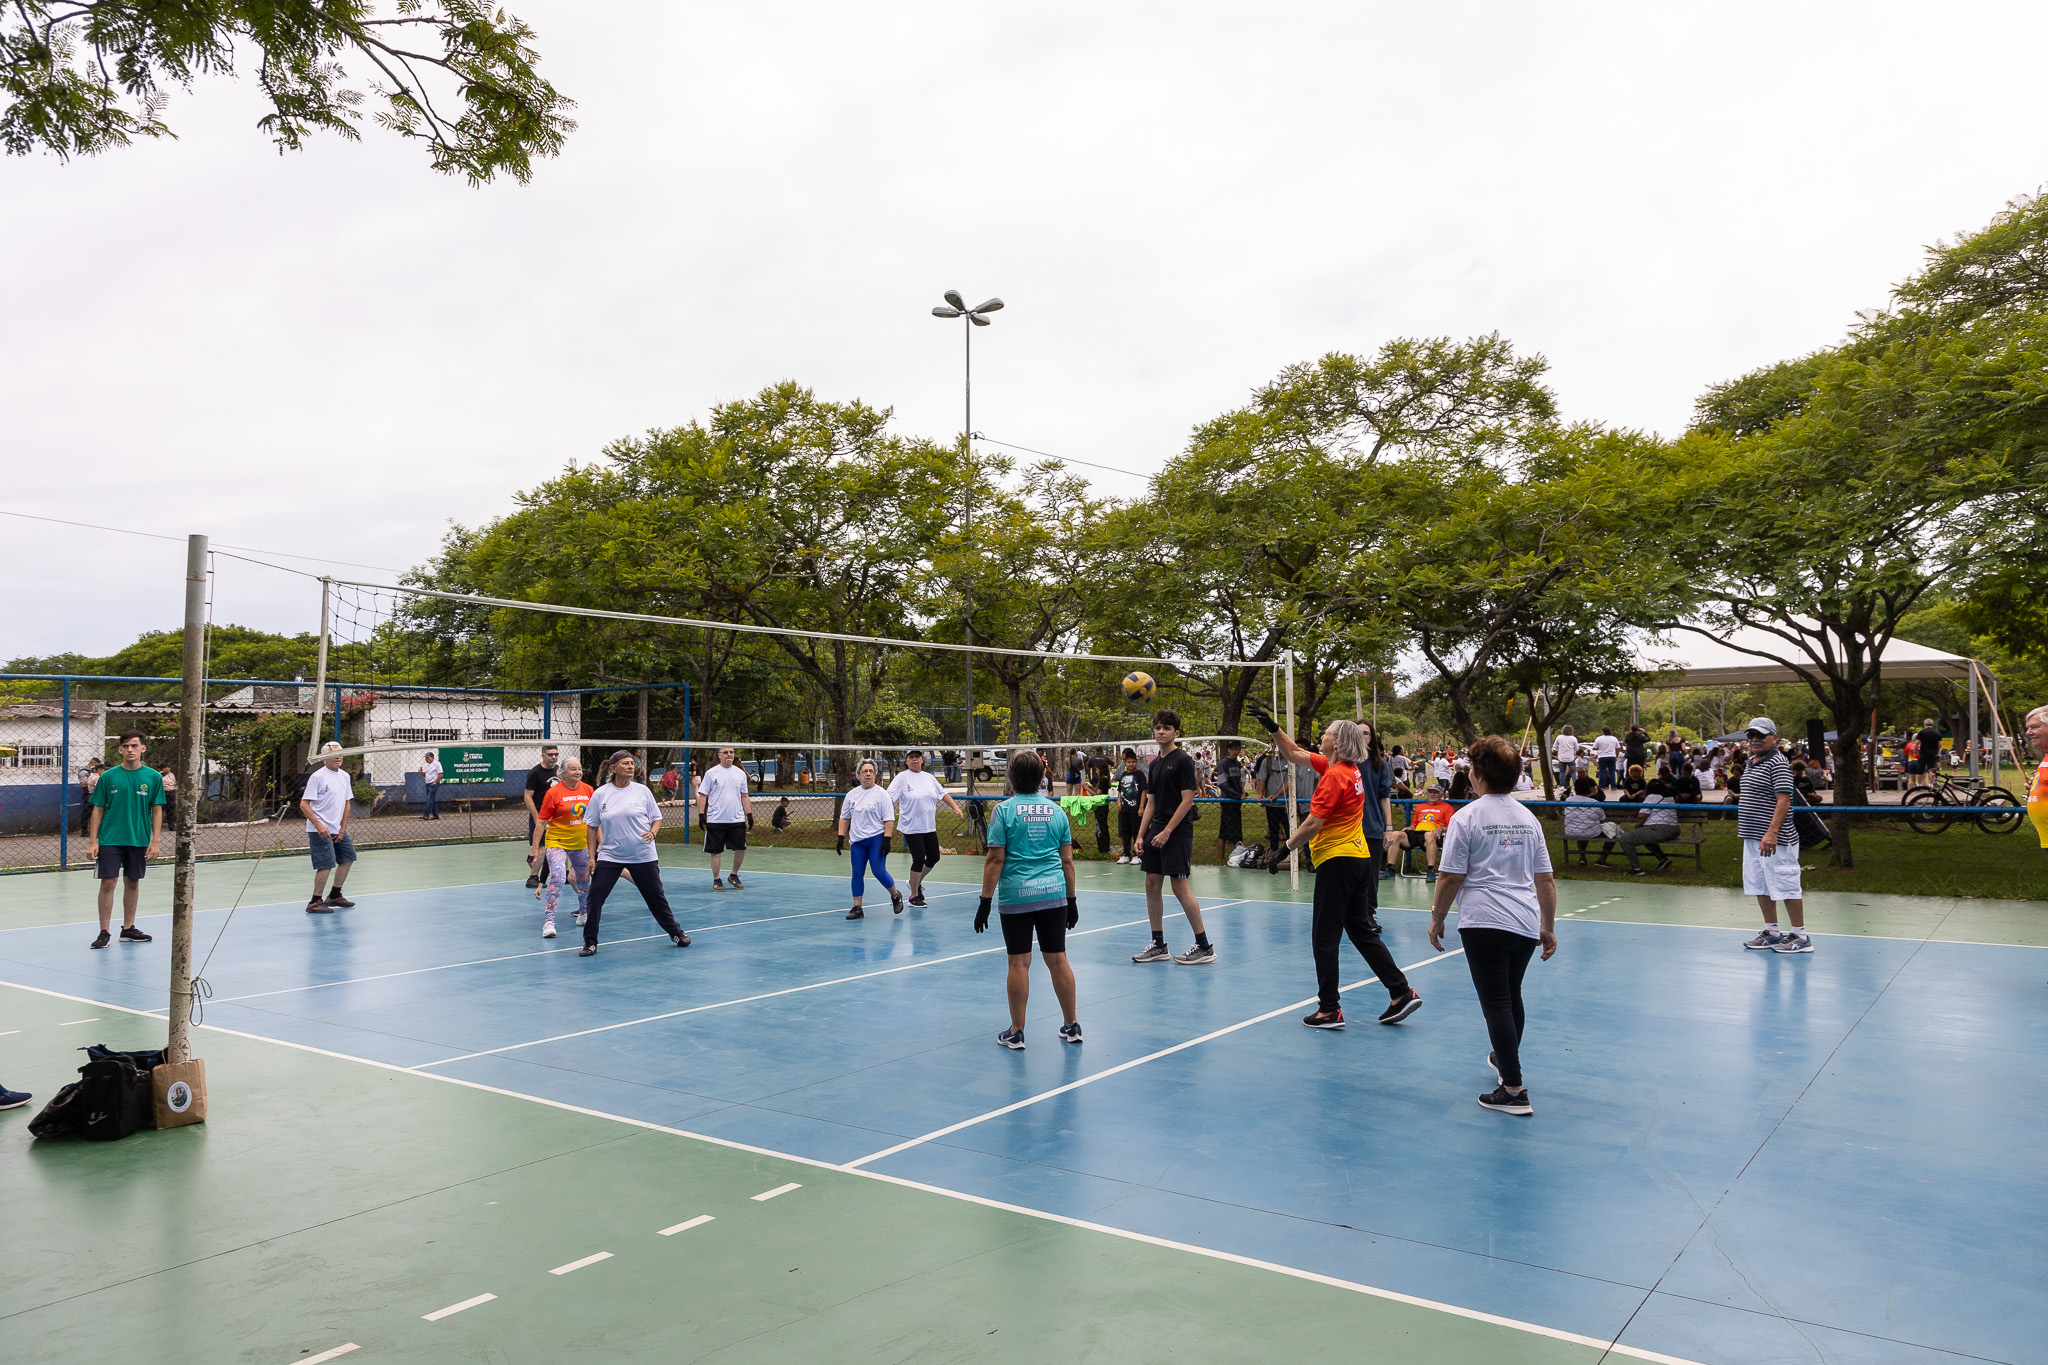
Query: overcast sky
[[338, 352]]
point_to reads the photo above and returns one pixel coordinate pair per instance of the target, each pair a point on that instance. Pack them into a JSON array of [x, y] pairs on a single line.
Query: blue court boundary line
[[1125, 1234]]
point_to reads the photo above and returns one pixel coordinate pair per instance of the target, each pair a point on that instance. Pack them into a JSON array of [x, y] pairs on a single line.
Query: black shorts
[[720, 837], [924, 850], [121, 860], [1050, 924], [1230, 823], [1173, 859]]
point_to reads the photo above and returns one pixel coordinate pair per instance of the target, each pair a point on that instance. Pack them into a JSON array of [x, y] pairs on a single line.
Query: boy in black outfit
[[1130, 795], [1166, 843]]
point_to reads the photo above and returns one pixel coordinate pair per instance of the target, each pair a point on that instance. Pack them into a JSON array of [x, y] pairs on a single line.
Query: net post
[[1973, 721], [64, 782], [191, 770], [320, 674], [1293, 806]]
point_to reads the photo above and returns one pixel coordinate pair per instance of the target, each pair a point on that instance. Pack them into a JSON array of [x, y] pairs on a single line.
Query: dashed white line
[[455, 1308], [699, 1221], [69, 1022], [334, 1354], [766, 1195], [578, 1265]]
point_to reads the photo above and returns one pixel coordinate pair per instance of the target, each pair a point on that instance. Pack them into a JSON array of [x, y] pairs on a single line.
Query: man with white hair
[[325, 803], [2037, 795]]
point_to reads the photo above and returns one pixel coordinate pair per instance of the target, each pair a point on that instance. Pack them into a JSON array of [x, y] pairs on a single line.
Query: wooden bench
[[1690, 841]]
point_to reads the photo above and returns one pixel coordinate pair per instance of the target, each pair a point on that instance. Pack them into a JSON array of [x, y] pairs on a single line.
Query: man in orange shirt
[[1431, 817], [560, 850]]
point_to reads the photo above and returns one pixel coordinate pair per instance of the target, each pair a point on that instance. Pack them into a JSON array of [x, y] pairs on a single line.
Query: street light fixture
[[955, 306]]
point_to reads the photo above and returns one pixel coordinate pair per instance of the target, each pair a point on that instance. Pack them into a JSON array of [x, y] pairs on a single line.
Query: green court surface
[[333, 1205]]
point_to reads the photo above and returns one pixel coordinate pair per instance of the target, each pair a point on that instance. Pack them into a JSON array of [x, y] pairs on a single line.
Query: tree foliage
[[460, 76]]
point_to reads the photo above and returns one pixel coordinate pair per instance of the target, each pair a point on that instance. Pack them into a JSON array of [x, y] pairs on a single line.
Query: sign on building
[[462, 764]]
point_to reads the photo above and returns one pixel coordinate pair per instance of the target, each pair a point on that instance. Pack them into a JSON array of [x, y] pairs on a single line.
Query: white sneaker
[[580, 917], [548, 930]]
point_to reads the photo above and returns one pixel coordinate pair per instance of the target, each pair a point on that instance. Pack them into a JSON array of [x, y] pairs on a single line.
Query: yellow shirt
[[2037, 802]]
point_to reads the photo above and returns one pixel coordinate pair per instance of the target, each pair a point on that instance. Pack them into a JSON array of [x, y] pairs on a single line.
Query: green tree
[[83, 76]]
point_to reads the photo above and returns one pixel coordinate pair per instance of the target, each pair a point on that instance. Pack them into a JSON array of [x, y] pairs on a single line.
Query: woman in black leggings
[[1496, 867]]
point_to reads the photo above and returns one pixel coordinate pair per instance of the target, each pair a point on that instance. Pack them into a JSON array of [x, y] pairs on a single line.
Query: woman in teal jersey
[[1030, 872]]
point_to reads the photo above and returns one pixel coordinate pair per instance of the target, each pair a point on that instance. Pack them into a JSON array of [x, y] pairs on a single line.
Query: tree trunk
[[1850, 716], [1016, 686], [1542, 724]]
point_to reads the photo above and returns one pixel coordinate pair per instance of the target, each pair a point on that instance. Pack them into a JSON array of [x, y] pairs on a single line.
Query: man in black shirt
[[539, 778], [1166, 843], [1635, 746], [1930, 752], [1230, 786]]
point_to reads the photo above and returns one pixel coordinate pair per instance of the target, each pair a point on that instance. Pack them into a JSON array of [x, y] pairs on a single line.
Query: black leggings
[[646, 876], [1497, 959], [1347, 892]]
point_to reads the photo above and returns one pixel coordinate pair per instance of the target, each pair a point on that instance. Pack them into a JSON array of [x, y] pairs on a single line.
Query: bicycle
[[1949, 791]]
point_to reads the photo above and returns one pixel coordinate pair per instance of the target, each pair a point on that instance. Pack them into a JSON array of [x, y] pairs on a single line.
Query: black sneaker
[[896, 900], [1401, 1009], [1664, 865], [734, 882], [316, 906], [1325, 1019], [131, 934], [1494, 1063], [339, 901], [103, 940], [856, 913], [533, 881], [1154, 952], [717, 885], [680, 939], [1502, 1101], [13, 1099], [587, 950], [918, 900]]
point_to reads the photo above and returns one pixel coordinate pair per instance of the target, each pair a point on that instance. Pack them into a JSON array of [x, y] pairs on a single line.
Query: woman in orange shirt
[[560, 835]]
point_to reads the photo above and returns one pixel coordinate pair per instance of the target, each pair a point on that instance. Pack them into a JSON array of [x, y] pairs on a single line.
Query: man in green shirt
[[127, 824]]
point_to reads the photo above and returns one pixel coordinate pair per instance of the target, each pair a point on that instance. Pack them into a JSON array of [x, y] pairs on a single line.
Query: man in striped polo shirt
[[1770, 841]]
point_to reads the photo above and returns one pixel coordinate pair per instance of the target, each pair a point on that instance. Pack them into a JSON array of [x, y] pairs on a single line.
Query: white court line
[[578, 1265], [1123, 1066], [770, 995], [12, 1030], [455, 1308], [509, 957], [1210, 1253], [766, 1195], [69, 1022], [699, 1221], [334, 1354]]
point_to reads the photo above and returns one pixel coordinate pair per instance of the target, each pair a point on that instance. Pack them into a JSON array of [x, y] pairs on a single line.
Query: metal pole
[[547, 716], [319, 676], [966, 542], [1293, 812], [1973, 720], [687, 793], [191, 766], [64, 783]]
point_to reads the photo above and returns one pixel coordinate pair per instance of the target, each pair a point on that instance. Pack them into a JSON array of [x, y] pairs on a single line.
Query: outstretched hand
[[1265, 718], [981, 916]]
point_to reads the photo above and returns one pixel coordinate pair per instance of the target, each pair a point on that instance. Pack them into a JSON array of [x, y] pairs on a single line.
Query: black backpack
[[110, 1099], [1812, 830]]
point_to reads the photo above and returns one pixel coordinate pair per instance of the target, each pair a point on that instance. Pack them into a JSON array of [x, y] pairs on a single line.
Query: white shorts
[[1776, 876]]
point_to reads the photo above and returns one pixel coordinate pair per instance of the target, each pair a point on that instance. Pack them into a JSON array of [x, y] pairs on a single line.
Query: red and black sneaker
[[1400, 1009], [1325, 1019]]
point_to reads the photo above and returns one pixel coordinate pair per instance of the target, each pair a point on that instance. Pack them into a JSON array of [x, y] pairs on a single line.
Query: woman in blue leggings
[[869, 817]]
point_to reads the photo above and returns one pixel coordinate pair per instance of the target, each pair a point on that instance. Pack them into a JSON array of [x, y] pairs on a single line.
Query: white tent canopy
[[1693, 660]]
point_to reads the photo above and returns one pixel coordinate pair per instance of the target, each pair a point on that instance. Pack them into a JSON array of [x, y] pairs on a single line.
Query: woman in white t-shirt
[[917, 795], [868, 817], [1496, 867]]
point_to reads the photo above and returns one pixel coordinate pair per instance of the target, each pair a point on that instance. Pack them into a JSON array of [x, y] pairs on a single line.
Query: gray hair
[[330, 746], [867, 763], [1351, 745], [2038, 713]]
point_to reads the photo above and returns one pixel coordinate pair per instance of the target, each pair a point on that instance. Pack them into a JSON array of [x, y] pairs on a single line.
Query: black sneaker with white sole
[[918, 901], [103, 940], [131, 934], [1494, 1064], [856, 913], [680, 939], [1325, 1019], [1201, 955], [1400, 1009], [587, 950], [1504, 1101], [896, 900]]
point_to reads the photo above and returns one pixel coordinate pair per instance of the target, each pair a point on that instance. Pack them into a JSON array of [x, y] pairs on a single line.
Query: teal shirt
[[128, 800], [1031, 831]]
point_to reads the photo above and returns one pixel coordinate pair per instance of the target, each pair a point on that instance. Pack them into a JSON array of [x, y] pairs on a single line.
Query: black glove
[[1277, 861], [839, 844], [981, 916], [1265, 718], [1073, 912], [750, 819]]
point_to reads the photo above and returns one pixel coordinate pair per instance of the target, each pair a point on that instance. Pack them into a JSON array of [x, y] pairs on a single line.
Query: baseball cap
[[1761, 725]]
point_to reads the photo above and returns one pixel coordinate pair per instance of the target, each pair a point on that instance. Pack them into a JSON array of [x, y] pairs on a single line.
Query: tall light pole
[[955, 306]]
